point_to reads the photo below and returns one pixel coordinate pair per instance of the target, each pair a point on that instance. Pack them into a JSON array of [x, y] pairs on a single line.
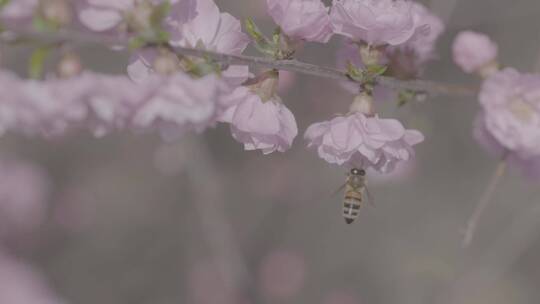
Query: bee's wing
[[338, 190], [370, 198]]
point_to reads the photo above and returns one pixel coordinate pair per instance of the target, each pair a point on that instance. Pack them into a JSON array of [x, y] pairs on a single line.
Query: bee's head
[[358, 172]]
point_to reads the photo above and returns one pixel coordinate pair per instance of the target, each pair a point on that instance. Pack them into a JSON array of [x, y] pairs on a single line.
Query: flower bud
[[370, 56], [363, 103], [488, 69], [139, 17], [475, 53], [166, 63], [69, 66], [267, 85]]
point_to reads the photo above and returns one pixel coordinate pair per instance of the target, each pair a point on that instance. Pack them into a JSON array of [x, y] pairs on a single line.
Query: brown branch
[[430, 87]]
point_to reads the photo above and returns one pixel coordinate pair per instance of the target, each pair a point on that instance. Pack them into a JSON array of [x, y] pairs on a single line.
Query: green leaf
[[405, 96], [37, 62], [43, 25], [159, 13], [161, 36], [354, 73], [254, 31], [3, 3], [276, 37], [377, 70], [39, 23], [261, 43], [201, 69], [137, 42]]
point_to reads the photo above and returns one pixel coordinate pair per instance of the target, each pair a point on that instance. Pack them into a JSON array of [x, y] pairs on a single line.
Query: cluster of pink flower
[[508, 124], [23, 206], [173, 93]]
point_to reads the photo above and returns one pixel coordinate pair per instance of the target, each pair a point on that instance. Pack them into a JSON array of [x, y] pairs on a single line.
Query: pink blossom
[[375, 22], [407, 60], [91, 101], [359, 141], [511, 103], [211, 30], [530, 166], [20, 284], [428, 28], [208, 29], [302, 19], [104, 15], [180, 103], [144, 63], [268, 126], [50, 107], [23, 198], [112, 106], [19, 10], [472, 51], [103, 103]]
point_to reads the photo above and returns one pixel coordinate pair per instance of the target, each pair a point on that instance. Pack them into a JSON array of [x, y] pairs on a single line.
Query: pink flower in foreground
[[359, 141], [268, 126], [473, 51], [302, 19], [179, 104], [375, 22], [23, 199], [99, 103], [20, 284], [30, 107], [511, 107], [104, 103]]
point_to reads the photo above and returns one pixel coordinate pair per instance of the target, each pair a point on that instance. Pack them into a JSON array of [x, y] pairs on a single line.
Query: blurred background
[[130, 219]]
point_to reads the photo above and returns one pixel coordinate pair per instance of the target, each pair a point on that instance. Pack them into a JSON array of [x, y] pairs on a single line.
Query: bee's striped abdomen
[[351, 205]]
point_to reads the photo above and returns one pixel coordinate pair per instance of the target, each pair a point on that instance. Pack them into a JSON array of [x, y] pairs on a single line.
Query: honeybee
[[355, 187]]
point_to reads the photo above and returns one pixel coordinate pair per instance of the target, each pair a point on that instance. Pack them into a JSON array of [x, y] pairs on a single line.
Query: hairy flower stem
[[63, 35], [483, 203]]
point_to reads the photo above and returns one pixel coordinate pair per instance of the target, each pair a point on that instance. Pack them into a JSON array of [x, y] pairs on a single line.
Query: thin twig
[[430, 87], [483, 203]]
